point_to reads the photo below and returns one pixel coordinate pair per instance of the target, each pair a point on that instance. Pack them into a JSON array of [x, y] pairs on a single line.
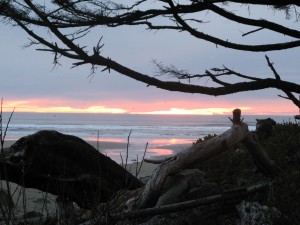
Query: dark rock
[[264, 127], [67, 166]]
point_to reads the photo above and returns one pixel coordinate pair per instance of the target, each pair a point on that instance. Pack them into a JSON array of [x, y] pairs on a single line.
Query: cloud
[[205, 106], [205, 111], [38, 105]]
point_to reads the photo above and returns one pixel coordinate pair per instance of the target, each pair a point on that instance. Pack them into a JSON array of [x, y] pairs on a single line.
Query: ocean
[[161, 132]]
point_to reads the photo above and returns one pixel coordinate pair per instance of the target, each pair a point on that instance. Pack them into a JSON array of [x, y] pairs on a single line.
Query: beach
[[28, 200], [115, 136], [118, 134]]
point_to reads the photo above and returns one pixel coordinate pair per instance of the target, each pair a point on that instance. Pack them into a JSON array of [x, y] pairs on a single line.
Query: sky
[[30, 82]]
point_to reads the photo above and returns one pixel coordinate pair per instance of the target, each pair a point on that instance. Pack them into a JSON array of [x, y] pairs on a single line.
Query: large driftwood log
[[189, 157], [202, 151]]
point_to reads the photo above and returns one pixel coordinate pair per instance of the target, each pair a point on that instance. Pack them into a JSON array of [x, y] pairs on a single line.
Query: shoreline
[[116, 149], [44, 203]]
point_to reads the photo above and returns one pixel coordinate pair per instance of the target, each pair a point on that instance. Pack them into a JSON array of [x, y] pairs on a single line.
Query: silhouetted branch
[[290, 96], [226, 71], [84, 15], [251, 32]]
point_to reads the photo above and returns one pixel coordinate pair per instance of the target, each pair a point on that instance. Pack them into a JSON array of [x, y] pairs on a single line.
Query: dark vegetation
[[236, 169]]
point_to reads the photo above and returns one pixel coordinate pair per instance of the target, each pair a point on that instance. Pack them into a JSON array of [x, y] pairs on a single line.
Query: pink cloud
[[270, 107]]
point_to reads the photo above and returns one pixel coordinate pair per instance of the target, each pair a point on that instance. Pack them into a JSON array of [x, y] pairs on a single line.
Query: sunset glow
[[152, 108], [38, 106], [159, 151], [171, 141], [206, 111]]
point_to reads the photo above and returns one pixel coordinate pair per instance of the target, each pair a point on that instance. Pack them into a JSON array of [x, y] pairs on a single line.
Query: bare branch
[[87, 14], [251, 32], [287, 92], [228, 44], [214, 78]]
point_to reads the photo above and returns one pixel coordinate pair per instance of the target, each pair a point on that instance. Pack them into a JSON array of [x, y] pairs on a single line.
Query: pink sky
[[31, 84], [271, 107]]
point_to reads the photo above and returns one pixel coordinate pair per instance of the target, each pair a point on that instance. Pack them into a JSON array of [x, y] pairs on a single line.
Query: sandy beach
[[31, 200]]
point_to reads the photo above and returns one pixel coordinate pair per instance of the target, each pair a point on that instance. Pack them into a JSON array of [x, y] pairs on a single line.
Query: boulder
[[66, 166], [264, 127]]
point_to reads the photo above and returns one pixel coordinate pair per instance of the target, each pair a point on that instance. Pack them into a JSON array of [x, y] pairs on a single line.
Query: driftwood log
[[202, 151], [64, 165], [189, 157]]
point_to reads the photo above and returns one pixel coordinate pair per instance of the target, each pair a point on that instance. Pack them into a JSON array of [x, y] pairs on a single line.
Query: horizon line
[[150, 114]]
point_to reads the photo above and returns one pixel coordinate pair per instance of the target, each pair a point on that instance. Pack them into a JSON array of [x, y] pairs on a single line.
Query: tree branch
[[287, 92], [228, 44], [86, 14], [261, 23]]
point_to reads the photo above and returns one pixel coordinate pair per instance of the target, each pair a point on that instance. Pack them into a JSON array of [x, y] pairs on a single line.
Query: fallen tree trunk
[[189, 157]]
